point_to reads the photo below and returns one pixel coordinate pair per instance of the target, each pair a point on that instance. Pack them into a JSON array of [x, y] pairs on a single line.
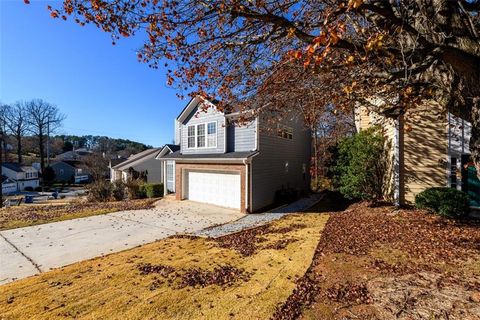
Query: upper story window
[[285, 132], [212, 134], [191, 137], [203, 135]]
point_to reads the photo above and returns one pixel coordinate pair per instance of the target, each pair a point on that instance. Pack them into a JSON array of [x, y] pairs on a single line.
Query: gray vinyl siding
[[63, 172], [153, 166], [241, 137], [268, 168], [211, 115]]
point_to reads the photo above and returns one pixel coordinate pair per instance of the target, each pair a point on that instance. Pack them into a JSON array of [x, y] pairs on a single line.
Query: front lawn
[[243, 276], [383, 263], [30, 215]]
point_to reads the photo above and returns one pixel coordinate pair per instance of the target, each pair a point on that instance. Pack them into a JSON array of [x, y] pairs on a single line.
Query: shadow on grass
[[333, 201]]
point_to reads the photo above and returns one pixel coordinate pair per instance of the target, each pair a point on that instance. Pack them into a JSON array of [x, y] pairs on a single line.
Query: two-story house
[[73, 171], [241, 166], [24, 176]]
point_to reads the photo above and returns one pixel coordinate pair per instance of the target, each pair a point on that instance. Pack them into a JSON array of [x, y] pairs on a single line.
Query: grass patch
[[31, 215], [175, 278]]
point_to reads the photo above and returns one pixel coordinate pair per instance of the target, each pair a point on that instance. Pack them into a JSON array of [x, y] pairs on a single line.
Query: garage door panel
[[218, 188]]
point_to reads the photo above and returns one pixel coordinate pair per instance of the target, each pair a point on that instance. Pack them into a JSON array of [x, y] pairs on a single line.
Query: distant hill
[[62, 143], [101, 144]]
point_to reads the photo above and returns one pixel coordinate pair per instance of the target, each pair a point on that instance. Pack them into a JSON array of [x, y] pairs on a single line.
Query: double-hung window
[[201, 135], [212, 134], [191, 137]]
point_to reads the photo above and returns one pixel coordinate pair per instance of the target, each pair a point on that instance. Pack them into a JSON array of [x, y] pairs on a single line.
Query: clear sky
[[101, 88]]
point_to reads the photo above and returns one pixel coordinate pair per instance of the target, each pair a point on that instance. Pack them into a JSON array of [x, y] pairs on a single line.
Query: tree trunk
[[19, 148], [475, 135], [42, 153], [315, 150]]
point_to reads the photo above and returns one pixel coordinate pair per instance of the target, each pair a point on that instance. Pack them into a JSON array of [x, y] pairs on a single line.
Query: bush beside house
[[359, 167], [444, 201], [103, 191]]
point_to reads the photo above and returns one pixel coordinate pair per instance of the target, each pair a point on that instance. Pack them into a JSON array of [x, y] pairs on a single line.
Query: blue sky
[[101, 88]]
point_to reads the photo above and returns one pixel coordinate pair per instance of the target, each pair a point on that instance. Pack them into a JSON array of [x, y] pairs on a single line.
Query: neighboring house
[[237, 166], [8, 185], [73, 171], [79, 154], [24, 176], [427, 147], [142, 165]]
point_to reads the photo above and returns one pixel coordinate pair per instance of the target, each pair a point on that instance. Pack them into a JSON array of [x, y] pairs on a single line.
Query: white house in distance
[[142, 165], [24, 176], [8, 185]]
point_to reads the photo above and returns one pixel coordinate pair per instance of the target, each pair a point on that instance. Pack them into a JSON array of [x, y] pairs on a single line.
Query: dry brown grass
[[30, 215], [113, 287]]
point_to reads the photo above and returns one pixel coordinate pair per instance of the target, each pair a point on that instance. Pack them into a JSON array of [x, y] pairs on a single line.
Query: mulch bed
[[425, 239]]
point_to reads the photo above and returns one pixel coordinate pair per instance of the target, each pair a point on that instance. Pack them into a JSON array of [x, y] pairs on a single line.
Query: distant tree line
[[25, 127]]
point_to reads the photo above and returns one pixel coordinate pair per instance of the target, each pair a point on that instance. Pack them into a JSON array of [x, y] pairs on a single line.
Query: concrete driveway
[[32, 250]]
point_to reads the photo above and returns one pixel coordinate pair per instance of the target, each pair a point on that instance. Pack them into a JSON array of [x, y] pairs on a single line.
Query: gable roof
[[72, 163], [191, 105], [17, 167], [5, 179], [167, 149], [136, 158], [172, 147]]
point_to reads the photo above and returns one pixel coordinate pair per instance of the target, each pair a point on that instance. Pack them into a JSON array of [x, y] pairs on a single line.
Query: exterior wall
[[154, 168], [10, 187], [115, 175], [197, 117], [241, 137], [366, 119], [269, 172], [421, 160], [425, 149], [21, 179], [22, 184], [63, 171], [180, 169]]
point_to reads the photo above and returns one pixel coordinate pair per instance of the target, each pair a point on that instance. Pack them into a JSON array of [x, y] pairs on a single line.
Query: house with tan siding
[[427, 146]]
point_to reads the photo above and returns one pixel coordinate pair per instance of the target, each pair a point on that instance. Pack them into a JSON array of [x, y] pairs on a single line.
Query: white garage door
[[221, 189]]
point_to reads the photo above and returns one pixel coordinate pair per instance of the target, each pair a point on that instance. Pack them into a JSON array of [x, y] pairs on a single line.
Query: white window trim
[[206, 135], [286, 128]]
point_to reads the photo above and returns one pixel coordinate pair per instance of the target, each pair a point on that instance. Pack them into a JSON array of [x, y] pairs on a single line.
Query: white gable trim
[[191, 106]]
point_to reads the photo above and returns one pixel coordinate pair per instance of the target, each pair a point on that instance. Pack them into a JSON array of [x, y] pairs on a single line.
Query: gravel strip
[[258, 219]]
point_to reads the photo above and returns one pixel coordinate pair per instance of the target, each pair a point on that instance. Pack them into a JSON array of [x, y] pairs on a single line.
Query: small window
[[201, 136], [285, 132], [191, 137], [453, 172], [212, 134]]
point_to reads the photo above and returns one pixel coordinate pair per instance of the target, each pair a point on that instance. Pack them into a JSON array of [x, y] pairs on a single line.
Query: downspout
[[247, 184], [396, 163], [165, 189]]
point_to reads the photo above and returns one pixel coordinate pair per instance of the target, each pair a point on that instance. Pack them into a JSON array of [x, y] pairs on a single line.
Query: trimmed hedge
[[444, 201], [154, 190]]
